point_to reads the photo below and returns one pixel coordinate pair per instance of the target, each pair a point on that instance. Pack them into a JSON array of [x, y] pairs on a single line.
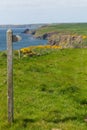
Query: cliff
[[64, 35]]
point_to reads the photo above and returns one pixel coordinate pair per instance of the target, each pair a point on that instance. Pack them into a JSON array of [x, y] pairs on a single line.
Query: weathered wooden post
[[10, 38], [10, 75]]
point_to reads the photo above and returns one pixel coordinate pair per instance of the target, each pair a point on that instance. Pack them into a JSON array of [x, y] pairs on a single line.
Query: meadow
[[67, 28], [50, 91]]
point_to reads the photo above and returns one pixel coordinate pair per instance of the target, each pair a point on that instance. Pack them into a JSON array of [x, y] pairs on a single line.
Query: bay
[[27, 39]]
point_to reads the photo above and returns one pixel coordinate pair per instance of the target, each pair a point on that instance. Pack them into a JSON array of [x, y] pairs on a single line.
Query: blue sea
[[27, 39]]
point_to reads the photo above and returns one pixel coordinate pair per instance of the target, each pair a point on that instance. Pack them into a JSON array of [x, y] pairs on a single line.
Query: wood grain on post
[[10, 75]]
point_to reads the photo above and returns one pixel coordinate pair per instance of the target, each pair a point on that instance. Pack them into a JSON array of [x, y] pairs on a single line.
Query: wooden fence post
[[10, 75]]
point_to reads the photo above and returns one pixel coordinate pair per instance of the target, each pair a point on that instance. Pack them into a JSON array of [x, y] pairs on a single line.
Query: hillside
[[50, 91], [65, 35], [75, 28]]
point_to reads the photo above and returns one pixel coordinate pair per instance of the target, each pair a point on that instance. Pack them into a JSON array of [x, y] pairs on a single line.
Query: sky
[[42, 11]]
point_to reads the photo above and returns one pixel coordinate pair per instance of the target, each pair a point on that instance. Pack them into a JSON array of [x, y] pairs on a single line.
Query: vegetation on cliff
[[65, 35], [74, 28]]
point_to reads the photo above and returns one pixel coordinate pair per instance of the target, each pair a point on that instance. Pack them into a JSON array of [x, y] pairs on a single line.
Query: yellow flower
[[29, 50], [25, 50], [56, 47], [84, 37]]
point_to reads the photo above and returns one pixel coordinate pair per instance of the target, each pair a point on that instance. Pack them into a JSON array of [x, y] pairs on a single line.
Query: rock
[[32, 32], [66, 41], [46, 35], [26, 31]]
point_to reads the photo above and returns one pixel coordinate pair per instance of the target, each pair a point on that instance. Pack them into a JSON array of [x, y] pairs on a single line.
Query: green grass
[[50, 91], [74, 28]]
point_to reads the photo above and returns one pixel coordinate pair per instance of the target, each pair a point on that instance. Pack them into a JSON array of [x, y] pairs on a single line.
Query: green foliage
[[50, 91], [74, 28]]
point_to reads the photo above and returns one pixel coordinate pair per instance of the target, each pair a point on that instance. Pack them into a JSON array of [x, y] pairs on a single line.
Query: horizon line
[[42, 23]]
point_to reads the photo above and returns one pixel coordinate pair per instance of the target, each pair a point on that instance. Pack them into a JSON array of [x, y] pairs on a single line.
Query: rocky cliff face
[[63, 40], [66, 41]]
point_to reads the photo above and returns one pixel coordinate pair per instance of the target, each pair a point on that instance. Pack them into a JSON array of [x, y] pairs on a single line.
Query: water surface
[[27, 39]]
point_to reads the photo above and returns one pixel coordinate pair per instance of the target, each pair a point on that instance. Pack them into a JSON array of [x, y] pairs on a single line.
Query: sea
[[26, 41]]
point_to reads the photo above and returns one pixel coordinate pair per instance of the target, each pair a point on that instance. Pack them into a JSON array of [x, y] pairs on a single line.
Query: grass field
[[50, 91], [74, 28]]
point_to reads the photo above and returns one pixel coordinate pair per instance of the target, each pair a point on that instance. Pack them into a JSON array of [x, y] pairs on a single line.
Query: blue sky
[[42, 11]]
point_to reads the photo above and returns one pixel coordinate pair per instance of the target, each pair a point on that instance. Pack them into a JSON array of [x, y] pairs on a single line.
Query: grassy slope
[[80, 28], [50, 91]]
